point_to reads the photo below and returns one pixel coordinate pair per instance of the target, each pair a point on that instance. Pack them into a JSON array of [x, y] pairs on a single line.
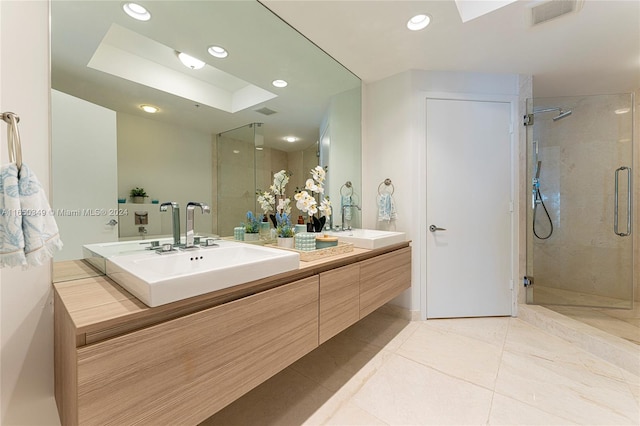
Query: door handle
[[615, 206], [434, 228]]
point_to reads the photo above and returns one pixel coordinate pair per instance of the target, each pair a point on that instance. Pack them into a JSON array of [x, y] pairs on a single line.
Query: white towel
[[345, 200], [28, 231], [386, 208], [11, 235]]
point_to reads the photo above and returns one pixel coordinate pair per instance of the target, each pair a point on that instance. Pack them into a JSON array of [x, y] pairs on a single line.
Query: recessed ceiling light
[[259, 148], [236, 151], [419, 22], [149, 108], [190, 61], [290, 139], [279, 83], [218, 52], [136, 11], [622, 110]]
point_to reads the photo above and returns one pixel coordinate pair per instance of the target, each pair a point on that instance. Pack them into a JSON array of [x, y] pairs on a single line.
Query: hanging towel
[[11, 235], [345, 200], [28, 231], [386, 208], [41, 237]]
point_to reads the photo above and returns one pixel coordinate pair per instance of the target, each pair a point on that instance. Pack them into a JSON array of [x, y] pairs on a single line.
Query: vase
[[251, 236], [315, 224], [137, 200], [265, 230], [285, 242]]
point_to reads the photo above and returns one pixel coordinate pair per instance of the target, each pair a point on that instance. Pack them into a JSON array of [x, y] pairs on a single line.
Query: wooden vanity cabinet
[[119, 362], [184, 370], [382, 278], [339, 300]]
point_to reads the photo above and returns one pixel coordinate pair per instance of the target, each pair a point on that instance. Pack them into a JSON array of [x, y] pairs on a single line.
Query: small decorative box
[[305, 241], [238, 233]]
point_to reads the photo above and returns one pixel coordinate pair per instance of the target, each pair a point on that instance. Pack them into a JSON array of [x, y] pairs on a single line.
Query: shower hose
[[535, 209]]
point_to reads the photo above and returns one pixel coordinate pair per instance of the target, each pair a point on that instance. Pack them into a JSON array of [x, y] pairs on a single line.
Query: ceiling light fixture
[[279, 83], [419, 22], [149, 108], [622, 111], [218, 52], [190, 61], [136, 11], [290, 139]]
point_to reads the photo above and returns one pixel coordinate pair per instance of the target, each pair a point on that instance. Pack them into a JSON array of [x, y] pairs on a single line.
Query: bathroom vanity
[[118, 361]]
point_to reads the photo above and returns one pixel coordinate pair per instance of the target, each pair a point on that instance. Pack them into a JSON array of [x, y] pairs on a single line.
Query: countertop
[[99, 308]]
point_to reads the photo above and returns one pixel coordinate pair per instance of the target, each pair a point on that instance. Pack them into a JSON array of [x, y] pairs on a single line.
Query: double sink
[[159, 279]]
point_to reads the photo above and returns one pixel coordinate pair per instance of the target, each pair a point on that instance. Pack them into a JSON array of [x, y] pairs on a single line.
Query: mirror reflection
[[219, 132]]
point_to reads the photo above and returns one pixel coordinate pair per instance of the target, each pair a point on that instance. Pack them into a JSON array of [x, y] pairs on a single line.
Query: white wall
[[26, 311], [393, 146], [171, 163]]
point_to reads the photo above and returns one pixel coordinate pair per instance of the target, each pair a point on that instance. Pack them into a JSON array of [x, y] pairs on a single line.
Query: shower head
[[562, 115]]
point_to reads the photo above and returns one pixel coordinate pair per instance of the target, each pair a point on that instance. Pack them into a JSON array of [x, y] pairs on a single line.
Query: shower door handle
[[616, 229]]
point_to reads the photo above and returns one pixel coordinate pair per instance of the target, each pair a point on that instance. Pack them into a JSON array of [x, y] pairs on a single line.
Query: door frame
[[516, 181]]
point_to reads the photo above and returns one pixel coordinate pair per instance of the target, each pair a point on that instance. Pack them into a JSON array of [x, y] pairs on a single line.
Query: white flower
[[311, 185], [280, 180], [266, 201], [319, 174], [284, 205], [325, 207]]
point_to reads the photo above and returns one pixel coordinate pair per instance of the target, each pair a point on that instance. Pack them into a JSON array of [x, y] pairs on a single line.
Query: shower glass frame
[[584, 263]]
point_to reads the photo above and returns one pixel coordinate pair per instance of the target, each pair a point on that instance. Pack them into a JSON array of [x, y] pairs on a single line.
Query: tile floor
[[498, 371], [624, 323]]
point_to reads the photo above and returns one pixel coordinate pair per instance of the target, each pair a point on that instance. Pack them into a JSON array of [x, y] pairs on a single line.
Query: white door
[[469, 195], [85, 179]]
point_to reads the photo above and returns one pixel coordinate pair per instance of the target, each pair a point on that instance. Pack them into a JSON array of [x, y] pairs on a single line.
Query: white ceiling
[[262, 48], [595, 50]]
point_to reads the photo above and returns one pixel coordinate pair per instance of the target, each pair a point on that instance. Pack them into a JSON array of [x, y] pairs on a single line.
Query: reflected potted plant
[[138, 195], [251, 228], [306, 200], [284, 230]]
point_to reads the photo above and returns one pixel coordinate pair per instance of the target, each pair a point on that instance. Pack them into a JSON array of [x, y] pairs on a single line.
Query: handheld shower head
[[562, 115], [538, 169]]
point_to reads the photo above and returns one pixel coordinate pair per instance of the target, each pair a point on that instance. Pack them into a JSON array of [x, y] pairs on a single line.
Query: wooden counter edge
[[111, 316]]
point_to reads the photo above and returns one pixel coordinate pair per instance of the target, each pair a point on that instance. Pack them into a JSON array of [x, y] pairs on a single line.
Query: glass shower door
[[579, 221]]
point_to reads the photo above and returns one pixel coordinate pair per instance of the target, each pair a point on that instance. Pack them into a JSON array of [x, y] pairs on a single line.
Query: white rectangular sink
[[369, 238], [118, 248], [159, 279]]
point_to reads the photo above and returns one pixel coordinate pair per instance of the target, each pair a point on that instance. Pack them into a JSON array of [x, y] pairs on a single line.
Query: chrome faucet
[[343, 208], [175, 219], [191, 205]]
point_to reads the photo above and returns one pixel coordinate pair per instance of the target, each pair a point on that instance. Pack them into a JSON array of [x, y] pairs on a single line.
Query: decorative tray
[[311, 255]]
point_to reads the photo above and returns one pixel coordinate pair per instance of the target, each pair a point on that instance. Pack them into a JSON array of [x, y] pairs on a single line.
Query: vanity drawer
[[383, 278], [183, 371], [339, 300]]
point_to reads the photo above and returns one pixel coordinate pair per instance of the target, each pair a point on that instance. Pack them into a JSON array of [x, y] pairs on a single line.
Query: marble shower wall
[[579, 155]]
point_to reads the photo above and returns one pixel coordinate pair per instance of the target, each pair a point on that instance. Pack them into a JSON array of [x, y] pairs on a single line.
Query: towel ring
[[386, 182], [349, 188], [13, 138]]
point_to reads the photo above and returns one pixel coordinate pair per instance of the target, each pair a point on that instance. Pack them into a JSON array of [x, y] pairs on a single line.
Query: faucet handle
[[173, 204]]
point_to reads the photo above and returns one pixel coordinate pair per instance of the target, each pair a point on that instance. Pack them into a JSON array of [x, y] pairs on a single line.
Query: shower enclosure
[[245, 162], [580, 208]]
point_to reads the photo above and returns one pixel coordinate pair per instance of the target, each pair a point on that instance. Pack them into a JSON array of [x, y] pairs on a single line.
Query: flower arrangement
[[274, 200], [252, 226], [307, 203], [283, 227]]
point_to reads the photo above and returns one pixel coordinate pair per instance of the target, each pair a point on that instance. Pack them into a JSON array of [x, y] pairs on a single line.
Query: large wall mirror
[[105, 66]]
